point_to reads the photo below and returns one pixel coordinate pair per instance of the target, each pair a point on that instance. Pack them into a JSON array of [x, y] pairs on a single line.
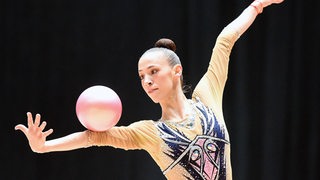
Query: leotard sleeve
[[138, 135], [210, 87]]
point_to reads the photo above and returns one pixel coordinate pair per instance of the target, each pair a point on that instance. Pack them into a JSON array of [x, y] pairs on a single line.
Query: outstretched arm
[[246, 18], [138, 135], [37, 137]]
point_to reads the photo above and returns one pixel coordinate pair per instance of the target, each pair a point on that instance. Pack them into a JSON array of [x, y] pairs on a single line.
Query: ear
[[177, 69]]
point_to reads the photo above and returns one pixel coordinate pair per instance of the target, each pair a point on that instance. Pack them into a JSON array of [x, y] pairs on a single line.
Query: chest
[[197, 145]]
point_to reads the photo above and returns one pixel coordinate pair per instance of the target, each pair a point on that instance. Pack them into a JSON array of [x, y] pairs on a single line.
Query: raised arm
[[37, 137], [210, 87], [246, 18]]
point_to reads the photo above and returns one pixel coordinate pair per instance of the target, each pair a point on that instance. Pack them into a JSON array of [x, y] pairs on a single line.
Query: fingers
[[32, 125], [43, 125], [21, 128], [48, 132], [41, 128], [37, 120], [30, 120]]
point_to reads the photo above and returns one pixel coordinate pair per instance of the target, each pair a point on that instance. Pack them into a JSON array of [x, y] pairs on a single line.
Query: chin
[[155, 100]]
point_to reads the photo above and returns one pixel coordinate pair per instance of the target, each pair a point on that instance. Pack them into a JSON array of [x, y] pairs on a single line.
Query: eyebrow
[[149, 67]]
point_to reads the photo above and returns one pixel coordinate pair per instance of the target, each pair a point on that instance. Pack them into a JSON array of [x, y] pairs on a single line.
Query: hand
[[34, 133], [277, 1], [266, 3]]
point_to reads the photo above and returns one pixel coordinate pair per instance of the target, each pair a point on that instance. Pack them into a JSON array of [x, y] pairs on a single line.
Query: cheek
[[165, 80], [143, 87]]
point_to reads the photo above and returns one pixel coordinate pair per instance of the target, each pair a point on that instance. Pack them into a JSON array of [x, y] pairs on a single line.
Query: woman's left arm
[[210, 87]]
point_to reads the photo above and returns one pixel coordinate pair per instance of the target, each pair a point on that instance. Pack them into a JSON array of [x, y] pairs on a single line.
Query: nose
[[148, 81]]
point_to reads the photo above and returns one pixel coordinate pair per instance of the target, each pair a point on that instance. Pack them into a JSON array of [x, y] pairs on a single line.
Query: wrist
[[258, 6], [39, 150]]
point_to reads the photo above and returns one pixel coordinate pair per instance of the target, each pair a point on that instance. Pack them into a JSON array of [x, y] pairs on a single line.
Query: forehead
[[149, 59]]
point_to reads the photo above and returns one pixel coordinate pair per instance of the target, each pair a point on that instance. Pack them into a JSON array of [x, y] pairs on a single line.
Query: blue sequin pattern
[[202, 157]]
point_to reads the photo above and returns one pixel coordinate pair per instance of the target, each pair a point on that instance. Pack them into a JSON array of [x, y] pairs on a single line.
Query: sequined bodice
[[203, 156]]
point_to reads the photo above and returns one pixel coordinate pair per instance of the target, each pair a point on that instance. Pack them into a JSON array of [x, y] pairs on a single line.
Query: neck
[[175, 107]]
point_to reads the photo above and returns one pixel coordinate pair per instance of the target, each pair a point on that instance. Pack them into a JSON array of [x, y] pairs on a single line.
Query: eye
[[154, 71], [141, 77]]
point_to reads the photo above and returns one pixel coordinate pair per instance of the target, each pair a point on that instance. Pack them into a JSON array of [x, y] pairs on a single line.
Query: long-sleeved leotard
[[197, 147]]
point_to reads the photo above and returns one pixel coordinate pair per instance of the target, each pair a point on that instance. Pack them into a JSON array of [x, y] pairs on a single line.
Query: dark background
[[52, 50]]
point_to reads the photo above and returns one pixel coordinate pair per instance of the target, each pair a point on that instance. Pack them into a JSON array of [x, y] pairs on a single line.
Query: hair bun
[[166, 43]]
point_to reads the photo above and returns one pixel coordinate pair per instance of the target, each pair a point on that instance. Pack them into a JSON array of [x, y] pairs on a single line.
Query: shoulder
[[145, 128], [146, 133]]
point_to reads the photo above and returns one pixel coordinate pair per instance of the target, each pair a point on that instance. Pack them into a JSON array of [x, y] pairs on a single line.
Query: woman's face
[[158, 78]]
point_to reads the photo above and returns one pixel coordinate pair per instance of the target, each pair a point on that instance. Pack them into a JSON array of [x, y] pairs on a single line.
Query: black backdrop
[[52, 50]]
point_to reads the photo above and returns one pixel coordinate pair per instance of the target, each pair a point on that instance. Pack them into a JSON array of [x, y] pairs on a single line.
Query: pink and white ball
[[98, 108]]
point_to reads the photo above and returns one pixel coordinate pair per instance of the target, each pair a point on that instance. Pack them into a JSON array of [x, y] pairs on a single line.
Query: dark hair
[[166, 43], [168, 48]]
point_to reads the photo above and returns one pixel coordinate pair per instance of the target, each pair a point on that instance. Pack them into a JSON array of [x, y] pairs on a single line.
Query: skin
[[162, 84]]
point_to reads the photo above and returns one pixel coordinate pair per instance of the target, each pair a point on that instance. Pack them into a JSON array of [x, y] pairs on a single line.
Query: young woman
[[190, 140]]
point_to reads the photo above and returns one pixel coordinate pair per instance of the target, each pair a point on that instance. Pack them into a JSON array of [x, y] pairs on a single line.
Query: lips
[[150, 91]]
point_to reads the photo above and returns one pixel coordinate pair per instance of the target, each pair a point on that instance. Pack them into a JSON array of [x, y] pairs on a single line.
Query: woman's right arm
[[37, 137], [138, 135]]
